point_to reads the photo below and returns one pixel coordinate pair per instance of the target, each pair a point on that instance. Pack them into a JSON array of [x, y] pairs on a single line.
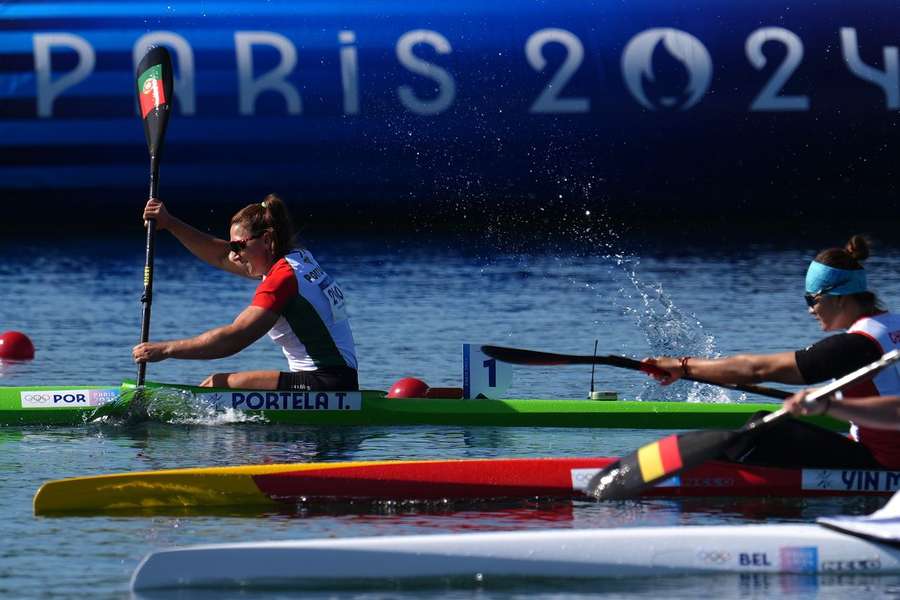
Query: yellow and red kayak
[[429, 480]]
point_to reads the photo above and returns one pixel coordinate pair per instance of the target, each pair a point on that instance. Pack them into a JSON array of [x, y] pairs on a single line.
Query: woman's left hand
[[149, 352]]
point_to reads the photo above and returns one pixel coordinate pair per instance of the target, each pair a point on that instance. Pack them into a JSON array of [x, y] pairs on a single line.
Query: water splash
[[582, 228], [667, 329], [174, 406], [177, 406]]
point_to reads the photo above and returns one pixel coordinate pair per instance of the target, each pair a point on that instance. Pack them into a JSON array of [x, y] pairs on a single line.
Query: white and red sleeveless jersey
[[884, 330], [313, 328]]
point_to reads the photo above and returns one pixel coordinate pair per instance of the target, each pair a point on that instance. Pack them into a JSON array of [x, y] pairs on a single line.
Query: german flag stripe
[[659, 458]]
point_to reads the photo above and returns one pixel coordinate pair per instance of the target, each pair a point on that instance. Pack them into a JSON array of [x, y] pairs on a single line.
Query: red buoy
[[15, 345], [408, 387]]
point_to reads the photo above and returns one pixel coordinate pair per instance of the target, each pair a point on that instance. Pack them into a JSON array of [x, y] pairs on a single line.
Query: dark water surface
[[413, 303]]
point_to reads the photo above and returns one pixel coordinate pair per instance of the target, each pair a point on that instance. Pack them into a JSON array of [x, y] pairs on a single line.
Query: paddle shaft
[[155, 89], [147, 295], [536, 358], [636, 365]]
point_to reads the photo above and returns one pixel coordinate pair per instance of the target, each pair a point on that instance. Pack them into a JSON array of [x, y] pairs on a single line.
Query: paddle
[[669, 456], [533, 357], [155, 95]]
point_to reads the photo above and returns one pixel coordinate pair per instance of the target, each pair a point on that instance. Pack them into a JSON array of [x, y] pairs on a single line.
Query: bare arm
[[877, 412], [249, 326], [741, 368], [207, 248]]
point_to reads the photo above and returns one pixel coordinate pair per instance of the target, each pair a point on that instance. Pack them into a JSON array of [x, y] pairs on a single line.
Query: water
[[413, 302]]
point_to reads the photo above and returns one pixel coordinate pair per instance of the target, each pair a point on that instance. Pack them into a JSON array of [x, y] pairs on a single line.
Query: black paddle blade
[[155, 95], [657, 461], [518, 356]]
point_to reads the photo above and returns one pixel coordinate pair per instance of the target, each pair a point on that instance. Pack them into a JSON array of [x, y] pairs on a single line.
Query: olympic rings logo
[[581, 477], [710, 482], [717, 557], [53, 397], [37, 397]]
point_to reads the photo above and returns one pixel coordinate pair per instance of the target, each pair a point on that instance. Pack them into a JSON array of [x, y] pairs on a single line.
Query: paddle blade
[[127, 408], [155, 95], [518, 356], [656, 462], [109, 409]]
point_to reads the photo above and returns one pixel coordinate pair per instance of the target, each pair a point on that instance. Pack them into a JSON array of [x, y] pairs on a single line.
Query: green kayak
[[72, 405]]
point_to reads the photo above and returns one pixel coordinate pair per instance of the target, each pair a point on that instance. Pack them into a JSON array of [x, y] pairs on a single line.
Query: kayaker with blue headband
[[838, 297]]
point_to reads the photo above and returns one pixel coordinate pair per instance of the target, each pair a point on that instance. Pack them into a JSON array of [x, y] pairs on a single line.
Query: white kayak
[[585, 553]]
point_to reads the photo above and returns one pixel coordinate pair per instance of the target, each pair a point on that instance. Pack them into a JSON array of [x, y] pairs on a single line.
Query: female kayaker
[[297, 303], [838, 297]]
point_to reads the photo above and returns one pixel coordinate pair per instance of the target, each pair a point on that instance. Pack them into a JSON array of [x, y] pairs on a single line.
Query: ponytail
[[271, 214]]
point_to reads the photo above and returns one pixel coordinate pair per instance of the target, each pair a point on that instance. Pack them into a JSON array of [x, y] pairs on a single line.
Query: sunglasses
[[238, 246], [813, 299]]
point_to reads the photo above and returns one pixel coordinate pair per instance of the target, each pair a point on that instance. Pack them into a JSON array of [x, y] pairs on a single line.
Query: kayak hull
[[63, 405], [586, 553], [428, 480]]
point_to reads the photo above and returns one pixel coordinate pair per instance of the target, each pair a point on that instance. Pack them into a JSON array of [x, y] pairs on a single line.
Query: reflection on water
[[481, 586], [688, 587], [256, 443]]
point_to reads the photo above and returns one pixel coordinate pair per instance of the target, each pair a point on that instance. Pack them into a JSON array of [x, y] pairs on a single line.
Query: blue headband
[[822, 279]]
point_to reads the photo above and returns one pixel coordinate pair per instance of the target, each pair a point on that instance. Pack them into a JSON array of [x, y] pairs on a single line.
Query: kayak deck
[[71, 405], [428, 480]]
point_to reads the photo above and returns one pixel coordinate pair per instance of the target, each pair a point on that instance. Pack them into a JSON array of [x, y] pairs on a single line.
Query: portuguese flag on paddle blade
[[150, 89]]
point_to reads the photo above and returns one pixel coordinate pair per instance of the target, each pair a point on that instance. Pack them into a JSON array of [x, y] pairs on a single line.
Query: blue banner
[[719, 105]]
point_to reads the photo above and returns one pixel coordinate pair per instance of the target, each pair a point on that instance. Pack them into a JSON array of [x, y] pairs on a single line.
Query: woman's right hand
[[156, 210], [799, 407], [664, 369]]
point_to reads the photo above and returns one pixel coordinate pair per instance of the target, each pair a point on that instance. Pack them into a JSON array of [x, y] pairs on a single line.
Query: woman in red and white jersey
[[297, 303], [838, 297]]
